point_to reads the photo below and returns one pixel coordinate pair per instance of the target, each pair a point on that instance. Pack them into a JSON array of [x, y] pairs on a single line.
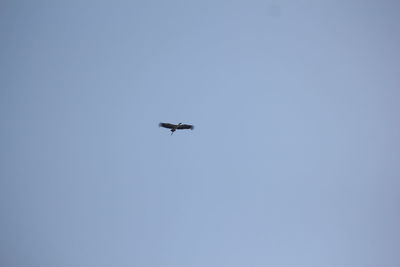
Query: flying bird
[[175, 127]]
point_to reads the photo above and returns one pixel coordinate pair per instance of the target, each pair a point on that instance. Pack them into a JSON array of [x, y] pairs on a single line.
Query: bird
[[175, 127]]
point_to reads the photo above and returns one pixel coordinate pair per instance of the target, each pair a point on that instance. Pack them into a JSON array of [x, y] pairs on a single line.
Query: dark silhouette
[[175, 127]]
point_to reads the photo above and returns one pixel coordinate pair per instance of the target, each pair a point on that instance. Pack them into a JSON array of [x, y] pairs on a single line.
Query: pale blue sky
[[294, 161]]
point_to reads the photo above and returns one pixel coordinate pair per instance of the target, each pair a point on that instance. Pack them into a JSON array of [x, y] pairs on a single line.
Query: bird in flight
[[175, 127]]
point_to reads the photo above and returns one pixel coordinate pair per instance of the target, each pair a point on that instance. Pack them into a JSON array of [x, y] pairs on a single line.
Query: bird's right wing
[[166, 125]]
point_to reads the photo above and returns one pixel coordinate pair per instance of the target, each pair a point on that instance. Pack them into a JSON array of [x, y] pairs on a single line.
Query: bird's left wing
[[185, 126], [166, 125]]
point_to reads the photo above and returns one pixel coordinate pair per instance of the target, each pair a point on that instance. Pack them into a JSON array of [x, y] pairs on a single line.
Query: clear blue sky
[[294, 161]]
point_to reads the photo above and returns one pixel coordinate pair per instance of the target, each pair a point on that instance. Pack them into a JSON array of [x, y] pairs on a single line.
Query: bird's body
[[175, 127]]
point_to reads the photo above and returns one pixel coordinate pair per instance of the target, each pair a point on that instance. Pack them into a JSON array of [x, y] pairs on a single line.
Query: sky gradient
[[294, 159]]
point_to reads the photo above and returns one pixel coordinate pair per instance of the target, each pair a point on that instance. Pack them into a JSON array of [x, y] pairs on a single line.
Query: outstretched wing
[[166, 125], [185, 126]]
